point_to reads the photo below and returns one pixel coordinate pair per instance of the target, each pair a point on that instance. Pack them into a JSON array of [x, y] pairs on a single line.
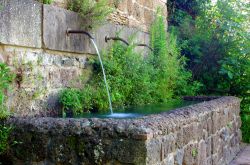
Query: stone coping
[[143, 128]]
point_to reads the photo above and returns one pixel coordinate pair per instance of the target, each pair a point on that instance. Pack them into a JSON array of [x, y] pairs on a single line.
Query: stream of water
[[104, 75]]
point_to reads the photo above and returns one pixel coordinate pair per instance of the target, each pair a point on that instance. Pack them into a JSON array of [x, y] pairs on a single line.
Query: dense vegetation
[[133, 78], [93, 13], [6, 78], [215, 39]]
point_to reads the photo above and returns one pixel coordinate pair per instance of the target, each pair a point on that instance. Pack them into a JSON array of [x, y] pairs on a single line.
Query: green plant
[[135, 80], [70, 99], [128, 76], [46, 1], [93, 13], [172, 79], [194, 152], [4, 136], [215, 40], [6, 77]]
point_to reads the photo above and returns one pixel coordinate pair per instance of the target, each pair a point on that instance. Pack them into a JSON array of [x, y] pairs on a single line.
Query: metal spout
[[69, 31], [115, 39], [124, 41]]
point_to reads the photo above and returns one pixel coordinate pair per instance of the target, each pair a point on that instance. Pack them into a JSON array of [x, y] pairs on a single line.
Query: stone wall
[[33, 42], [132, 13], [206, 133]]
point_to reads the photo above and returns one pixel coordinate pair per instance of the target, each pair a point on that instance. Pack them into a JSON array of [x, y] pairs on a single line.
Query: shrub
[[4, 136], [70, 99], [135, 80], [46, 1], [171, 77], [93, 13], [216, 43], [6, 78]]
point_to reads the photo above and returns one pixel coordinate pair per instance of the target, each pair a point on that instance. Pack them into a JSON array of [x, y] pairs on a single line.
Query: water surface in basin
[[139, 111]]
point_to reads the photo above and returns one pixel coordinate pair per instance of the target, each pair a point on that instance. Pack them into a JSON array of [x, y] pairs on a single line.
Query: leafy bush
[[170, 74], [216, 43], [135, 80], [46, 1], [4, 136], [93, 13], [6, 78], [128, 76], [70, 99]]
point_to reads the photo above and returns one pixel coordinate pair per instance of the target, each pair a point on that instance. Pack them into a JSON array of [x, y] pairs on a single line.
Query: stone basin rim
[[145, 127]]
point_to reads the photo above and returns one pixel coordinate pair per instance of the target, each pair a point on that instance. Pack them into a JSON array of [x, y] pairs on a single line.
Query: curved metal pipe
[[124, 41], [116, 39], [69, 31], [145, 45]]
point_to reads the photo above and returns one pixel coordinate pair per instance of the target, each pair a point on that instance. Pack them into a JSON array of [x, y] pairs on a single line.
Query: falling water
[[104, 75]]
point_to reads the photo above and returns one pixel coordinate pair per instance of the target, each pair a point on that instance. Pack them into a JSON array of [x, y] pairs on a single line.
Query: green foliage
[[245, 117], [70, 99], [46, 1], [93, 13], [194, 152], [179, 9], [216, 43], [6, 78], [134, 79], [171, 76], [4, 136], [128, 76]]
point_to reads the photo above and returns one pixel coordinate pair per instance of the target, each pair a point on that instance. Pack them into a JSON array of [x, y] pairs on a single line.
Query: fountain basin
[[203, 133]]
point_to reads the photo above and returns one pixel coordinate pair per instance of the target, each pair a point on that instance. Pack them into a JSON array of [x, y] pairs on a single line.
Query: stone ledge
[[172, 137], [141, 128]]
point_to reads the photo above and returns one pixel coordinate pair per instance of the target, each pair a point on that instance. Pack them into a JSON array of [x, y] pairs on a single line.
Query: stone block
[[20, 23], [216, 123], [202, 153], [179, 156], [56, 21], [169, 160], [188, 133], [191, 154], [209, 146], [168, 145], [155, 151]]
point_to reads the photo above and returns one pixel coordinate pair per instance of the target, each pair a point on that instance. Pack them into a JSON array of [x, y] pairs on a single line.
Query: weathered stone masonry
[[33, 42], [207, 133], [132, 13]]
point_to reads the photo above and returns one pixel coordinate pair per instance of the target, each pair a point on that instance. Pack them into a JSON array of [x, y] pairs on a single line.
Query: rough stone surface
[[122, 141], [243, 157], [33, 42], [132, 13], [20, 23], [41, 75], [56, 21]]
